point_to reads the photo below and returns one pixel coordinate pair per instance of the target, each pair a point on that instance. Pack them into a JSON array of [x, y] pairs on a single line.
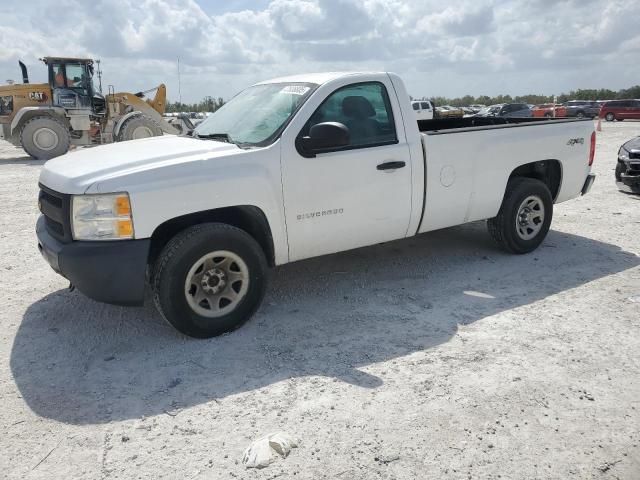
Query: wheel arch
[[548, 172], [27, 113], [120, 121], [249, 218]]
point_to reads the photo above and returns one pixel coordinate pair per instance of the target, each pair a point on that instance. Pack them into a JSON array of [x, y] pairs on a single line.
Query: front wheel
[[524, 217], [609, 117], [209, 279]]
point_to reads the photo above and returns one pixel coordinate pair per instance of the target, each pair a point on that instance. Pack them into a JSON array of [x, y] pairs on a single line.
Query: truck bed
[[468, 162]]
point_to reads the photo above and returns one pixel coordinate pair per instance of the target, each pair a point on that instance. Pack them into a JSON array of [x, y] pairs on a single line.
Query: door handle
[[391, 165]]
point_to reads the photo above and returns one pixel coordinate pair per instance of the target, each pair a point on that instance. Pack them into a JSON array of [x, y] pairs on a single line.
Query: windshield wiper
[[224, 137]]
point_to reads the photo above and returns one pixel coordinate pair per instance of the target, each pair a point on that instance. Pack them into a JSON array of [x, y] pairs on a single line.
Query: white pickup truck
[[290, 169]]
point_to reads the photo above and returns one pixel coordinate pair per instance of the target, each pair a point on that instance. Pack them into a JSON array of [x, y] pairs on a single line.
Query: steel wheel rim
[[530, 217], [45, 139], [141, 132], [216, 283]]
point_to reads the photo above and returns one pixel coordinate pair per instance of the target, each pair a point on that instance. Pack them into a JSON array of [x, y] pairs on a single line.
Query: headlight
[[623, 154], [101, 217]]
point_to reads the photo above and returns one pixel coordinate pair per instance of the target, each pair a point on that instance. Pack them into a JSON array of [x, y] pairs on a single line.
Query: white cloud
[[452, 48]]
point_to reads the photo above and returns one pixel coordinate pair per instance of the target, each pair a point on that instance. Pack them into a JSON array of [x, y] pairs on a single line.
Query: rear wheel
[[45, 137], [209, 279], [609, 117], [580, 114], [524, 217], [138, 127]]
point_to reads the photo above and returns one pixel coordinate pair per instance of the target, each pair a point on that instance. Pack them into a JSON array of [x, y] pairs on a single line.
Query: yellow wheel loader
[[46, 119]]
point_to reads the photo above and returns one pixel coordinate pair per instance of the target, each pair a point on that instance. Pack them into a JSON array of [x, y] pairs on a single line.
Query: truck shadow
[[80, 362]]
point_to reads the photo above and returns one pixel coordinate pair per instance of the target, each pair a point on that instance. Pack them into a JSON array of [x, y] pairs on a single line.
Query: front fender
[[27, 112], [170, 191]]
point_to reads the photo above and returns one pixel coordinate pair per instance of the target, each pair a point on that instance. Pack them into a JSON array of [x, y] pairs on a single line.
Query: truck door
[[356, 195]]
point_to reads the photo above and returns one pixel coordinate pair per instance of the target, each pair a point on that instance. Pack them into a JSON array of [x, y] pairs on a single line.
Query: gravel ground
[[433, 357]]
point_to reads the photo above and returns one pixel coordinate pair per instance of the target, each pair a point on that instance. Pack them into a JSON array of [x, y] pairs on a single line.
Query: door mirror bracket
[[323, 137]]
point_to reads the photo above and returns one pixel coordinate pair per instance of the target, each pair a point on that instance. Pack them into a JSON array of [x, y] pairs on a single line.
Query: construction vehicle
[[47, 119]]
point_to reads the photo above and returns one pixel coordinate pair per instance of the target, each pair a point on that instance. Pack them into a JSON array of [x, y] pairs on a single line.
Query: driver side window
[[364, 109]]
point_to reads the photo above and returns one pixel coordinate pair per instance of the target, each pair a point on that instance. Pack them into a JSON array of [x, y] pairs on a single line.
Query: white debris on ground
[[266, 449], [436, 357]]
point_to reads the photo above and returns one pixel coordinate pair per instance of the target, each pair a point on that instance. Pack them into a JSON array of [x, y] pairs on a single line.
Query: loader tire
[[44, 137], [524, 217], [138, 127]]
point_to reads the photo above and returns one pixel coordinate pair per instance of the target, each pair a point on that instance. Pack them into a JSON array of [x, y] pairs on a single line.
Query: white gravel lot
[[435, 357]]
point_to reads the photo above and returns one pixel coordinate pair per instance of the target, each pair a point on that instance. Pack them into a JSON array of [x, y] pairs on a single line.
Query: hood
[[76, 171], [632, 145]]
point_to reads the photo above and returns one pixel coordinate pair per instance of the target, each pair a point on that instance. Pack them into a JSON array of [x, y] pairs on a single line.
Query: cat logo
[[38, 96]]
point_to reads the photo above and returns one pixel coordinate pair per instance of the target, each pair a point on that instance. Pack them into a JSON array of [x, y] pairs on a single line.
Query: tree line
[[580, 94], [207, 104]]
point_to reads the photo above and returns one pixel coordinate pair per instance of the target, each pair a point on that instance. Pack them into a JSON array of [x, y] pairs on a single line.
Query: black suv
[[628, 167], [582, 108]]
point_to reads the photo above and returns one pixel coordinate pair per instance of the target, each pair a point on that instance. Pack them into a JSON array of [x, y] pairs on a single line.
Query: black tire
[[503, 227], [609, 117], [139, 126], [181, 255], [44, 137], [620, 169]]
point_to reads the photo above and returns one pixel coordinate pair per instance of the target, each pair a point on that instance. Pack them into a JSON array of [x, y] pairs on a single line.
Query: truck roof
[[317, 78]]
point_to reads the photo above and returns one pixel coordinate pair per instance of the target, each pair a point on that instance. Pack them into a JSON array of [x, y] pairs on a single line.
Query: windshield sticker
[[295, 89]]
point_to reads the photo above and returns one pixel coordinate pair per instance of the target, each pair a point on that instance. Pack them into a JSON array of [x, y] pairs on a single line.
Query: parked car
[[549, 110], [423, 109], [628, 166], [582, 108], [290, 169], [447, 111], [512, 110], [477, 107], [620, 110]]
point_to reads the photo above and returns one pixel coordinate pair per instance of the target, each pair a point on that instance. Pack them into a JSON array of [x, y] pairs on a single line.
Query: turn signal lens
[[125, 229], [123, 207]]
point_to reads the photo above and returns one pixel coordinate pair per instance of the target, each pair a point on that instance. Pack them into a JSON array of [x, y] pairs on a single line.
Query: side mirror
[[323, 136]]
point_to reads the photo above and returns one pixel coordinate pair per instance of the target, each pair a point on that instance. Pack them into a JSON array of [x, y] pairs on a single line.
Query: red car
[[546, 110], [620, 110]]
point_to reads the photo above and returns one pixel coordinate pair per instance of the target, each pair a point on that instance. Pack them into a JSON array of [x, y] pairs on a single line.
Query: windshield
[[257, 115]]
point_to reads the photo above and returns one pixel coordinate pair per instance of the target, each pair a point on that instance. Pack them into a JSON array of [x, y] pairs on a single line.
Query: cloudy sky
[[440, 48]]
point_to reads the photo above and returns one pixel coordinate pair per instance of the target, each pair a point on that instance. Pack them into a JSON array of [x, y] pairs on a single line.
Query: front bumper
[[110, 272], [628, 174], [629, 183]]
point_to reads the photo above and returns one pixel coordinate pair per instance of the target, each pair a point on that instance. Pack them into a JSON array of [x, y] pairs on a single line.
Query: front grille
[[634, 168], [56, 208]]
